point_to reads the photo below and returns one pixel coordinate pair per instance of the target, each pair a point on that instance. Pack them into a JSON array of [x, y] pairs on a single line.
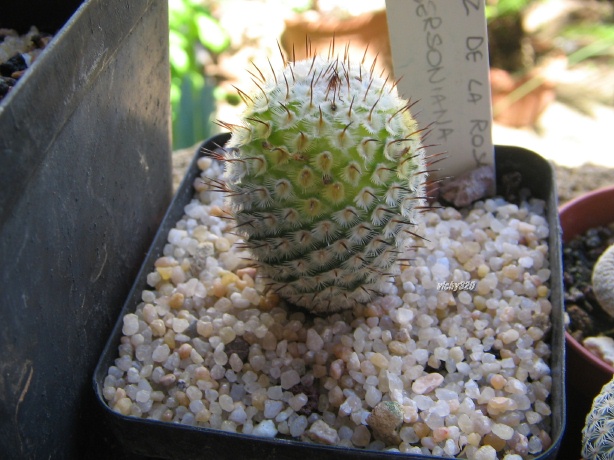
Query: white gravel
[[467, 367]]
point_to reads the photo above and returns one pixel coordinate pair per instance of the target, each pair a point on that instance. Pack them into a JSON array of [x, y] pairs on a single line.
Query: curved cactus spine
[[325, 177]]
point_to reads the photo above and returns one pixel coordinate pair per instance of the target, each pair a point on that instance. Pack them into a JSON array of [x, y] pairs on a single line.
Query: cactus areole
[[325, 176]]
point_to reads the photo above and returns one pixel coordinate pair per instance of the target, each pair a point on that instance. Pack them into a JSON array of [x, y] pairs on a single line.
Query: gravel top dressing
[[17, 53], [452, 360]]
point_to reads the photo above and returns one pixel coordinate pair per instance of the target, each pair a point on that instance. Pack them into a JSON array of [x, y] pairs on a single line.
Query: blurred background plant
[[195, 38], [523, 31], [561, 50], [532, 43], [508, 46]]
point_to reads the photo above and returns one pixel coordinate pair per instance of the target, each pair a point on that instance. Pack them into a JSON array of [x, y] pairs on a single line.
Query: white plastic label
[[440, 49]]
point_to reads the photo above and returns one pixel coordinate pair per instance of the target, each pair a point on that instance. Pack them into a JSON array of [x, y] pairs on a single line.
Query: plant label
[[440, 49]]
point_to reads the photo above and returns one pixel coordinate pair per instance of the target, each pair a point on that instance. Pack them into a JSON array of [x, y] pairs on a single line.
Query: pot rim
[[588, 355], [605, 190], [568, 207]]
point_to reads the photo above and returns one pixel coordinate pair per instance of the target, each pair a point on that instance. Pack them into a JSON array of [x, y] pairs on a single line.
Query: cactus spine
[[325, 176]]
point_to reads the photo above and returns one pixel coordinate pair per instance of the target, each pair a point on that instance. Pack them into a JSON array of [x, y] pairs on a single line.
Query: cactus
[[325, 176], [598, 432]]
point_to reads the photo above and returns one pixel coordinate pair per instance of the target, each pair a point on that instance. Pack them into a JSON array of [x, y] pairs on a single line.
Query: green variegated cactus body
[[324, 177]]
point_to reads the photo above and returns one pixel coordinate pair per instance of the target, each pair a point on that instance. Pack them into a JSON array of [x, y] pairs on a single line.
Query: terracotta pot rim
[[328, 25], [586, 196], [588, 355], [573, 343]]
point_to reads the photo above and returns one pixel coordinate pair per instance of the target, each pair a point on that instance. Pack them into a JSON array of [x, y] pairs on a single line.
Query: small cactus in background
[[325, 177], [598, 432]]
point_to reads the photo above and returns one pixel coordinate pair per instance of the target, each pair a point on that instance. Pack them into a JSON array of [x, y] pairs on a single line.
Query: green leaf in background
[[210, 33], [192, 29], [179, 57], [599, 36], [505, 7]]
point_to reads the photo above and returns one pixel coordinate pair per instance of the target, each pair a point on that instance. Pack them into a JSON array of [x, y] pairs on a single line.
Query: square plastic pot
[[85, 168], [175, 441]]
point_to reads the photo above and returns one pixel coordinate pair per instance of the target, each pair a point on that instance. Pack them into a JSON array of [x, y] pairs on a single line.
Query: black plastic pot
[[174, 441], [85, 168]]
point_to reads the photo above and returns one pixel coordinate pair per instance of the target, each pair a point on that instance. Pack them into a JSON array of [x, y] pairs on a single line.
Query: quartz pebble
[[450, 361], [427, 383], [322, 433]]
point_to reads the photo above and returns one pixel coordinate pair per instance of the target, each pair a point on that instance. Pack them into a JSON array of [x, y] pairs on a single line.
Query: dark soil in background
[[587, 318]]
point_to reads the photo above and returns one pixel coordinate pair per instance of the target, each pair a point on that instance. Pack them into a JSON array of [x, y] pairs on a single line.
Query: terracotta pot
[[518, 102], [357, 33], [587, 372]]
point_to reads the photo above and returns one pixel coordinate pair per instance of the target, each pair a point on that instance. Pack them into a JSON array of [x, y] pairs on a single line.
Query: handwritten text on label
[[440, 47]]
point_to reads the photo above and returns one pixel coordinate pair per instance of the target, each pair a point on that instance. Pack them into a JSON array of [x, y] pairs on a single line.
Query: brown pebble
[[250, 337], [258, 400], [269, 342], [500, 404], [397, 348], [168, 380], [169, 339], [277, 330], [441, 434], [176, 300], [427, 383], [185, 350], [373, 311], [250, 271], [322, 433], [239, 346], [41, 40], [469, 187], [342, 352], [202, 373], [182, 398], [269, 301], [494, 441], [319, 371], [385, 420], [241, 284], [313, 396], [546, 439], [167, 415], [497, 381], [337, 368], [165, 261], [123, 406], [218, 289], [421, 429], [158, 328], [165, 272]]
